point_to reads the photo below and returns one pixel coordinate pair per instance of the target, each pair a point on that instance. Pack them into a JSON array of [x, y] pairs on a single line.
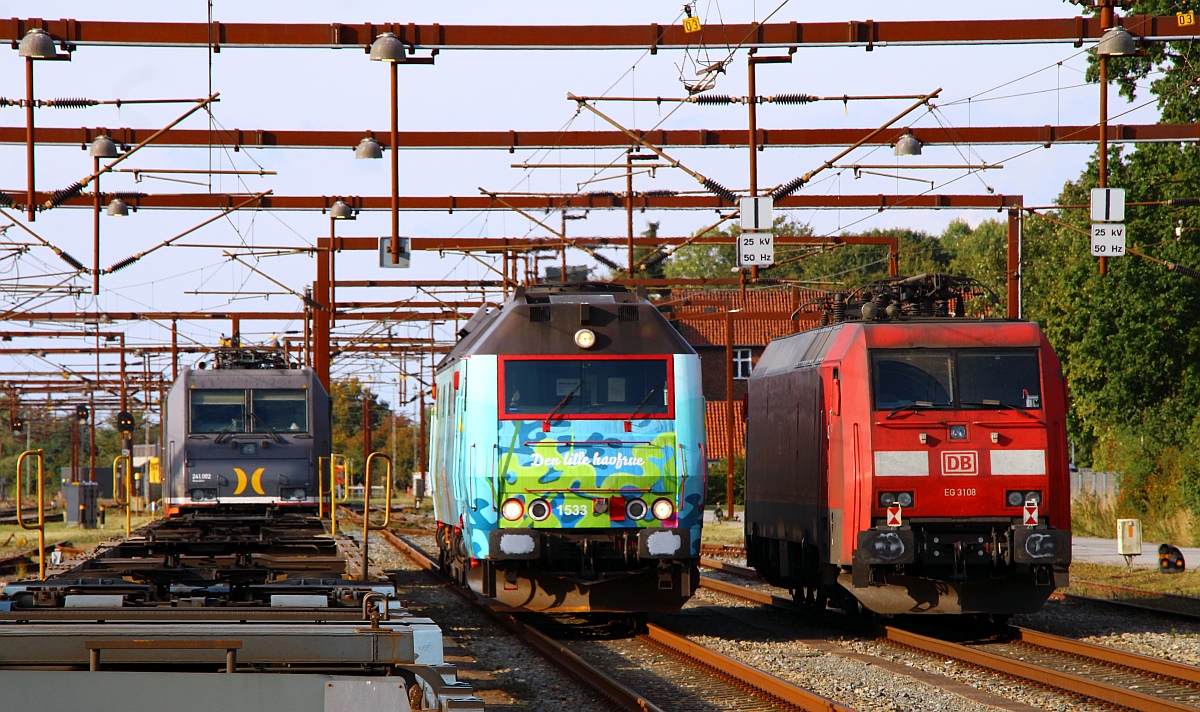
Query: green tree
[[1124, 338], [349, 396]]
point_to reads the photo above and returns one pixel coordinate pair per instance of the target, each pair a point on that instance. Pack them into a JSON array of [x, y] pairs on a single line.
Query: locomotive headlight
[[204, 495], [1014, 498], [958, 432], [539, 510], [905, 499], [635, 509], [513, 509], [585, 338], [887, 499], [662, 508], [1035, 496], [292, 494]]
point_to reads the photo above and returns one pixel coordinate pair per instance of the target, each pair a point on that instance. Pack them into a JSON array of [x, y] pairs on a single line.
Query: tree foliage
[[349, 396]]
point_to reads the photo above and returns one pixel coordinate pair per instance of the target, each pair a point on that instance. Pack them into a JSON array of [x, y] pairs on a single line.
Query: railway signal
[[18, 424], [125, 422], [81, 413]]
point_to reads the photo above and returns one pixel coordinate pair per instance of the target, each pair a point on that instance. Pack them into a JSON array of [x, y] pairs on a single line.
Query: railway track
[[1135, 598], [657, 670], [1108, 675]]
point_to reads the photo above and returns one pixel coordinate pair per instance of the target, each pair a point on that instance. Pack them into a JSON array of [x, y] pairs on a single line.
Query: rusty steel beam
[[652, 36], [243, 316], [589, 201], [545, 243], [236, 139]]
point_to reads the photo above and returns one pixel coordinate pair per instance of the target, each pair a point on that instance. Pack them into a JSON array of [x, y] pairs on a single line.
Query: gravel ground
[[505, 673], [863, 675], [1146, 633], [866, 674]]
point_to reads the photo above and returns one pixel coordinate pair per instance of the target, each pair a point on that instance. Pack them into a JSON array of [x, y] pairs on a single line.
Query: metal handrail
[[128, 488], [333, 500], [349, 478], [41, 499], [321, 483], [368, 527]]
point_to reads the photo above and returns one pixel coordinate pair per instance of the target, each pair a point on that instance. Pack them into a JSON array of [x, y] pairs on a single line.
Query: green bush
[[716, 481]]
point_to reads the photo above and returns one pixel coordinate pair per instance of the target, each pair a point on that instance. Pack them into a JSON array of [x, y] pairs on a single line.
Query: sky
[[299, 89]]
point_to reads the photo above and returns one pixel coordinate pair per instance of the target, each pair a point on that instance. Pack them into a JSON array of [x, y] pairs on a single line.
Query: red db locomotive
[[906, 459]]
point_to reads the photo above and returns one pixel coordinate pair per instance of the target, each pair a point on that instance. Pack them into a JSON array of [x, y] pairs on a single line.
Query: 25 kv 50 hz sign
[[1108, 240]]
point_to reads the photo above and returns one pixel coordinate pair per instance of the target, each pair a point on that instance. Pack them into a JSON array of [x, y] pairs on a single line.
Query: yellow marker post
[[691, 24], [128, 488], [368, 527], [41, 518]]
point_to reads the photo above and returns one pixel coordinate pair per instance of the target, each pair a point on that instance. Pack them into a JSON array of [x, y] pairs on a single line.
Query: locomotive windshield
[[574, 387], [253, 411], [959, 378]]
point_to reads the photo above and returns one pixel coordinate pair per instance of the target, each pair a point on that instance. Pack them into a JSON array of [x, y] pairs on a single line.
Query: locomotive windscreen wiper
[[646, 400], [564, 401], [274, 435], [1001, 404], [912, 406]]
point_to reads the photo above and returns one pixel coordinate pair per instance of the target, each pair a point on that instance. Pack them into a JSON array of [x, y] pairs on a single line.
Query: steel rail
[[1036, 673], [1153, 667], [694, 654], [738, 672], [1137, 599], [553, 651], [728, 567]]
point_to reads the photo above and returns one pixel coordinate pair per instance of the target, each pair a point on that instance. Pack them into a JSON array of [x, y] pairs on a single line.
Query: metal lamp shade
[[1116, 42], [37, 44], [387, 48], [908, 145], [118, 208], [368, 148], [103, 147], [341, 211]]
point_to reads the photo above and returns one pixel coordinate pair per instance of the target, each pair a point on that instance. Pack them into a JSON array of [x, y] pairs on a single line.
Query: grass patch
[[723, 534], [1095, 516], [58, 531], [1184, 584]]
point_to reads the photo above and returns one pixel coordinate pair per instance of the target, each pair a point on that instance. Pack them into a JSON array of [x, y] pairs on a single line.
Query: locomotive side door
[[832, 495]]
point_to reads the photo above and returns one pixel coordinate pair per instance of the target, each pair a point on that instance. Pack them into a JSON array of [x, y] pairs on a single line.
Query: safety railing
[[40, 527], [368, 527], [128, 479]]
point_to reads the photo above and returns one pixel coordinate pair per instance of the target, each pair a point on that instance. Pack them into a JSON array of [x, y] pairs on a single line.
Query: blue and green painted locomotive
[[567, 457]]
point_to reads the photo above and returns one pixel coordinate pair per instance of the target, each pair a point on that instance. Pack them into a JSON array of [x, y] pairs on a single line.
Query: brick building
[[755, 316]]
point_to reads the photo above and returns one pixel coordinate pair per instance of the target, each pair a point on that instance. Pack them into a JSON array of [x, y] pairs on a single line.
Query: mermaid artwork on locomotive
[[568, 457]]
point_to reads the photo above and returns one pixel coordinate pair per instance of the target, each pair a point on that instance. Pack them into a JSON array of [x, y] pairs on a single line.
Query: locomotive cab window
[[959, 378], [256, 411], [911, 377], [279, 411], [585, 387], [999, 378], [218, 411]]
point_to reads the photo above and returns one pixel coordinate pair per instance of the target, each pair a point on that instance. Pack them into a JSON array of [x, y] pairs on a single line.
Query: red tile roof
[[714, 421], [774, 307]]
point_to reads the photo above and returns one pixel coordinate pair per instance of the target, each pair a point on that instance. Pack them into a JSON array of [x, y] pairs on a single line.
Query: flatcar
[[244, 430], [907, 459], [567, 453]]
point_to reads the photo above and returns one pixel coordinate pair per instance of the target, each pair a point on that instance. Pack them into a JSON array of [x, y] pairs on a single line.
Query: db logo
[[960, 463]]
